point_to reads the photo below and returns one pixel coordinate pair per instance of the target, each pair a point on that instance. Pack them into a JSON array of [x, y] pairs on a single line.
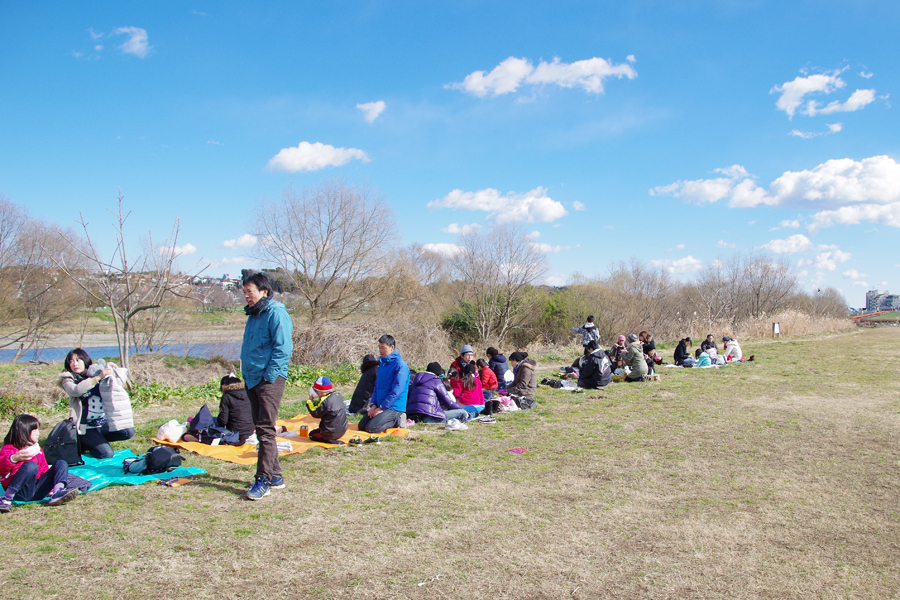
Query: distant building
[[885, 301]]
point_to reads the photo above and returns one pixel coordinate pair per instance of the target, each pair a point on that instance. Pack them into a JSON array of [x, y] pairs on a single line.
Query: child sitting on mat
[[24, 472], [328, 406]]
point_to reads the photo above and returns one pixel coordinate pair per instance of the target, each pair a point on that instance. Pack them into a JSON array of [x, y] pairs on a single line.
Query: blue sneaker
[[260, 488], [276, 482], [5, 504]]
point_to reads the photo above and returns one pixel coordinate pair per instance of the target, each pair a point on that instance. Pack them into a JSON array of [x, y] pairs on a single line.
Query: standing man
[[391, 388], [265, 353]]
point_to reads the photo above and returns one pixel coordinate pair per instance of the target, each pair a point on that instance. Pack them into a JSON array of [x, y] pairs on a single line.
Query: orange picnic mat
[[299, 426]]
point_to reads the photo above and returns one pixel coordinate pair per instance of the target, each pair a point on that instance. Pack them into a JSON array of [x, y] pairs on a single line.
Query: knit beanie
[[323, 384], [632, 337], [621, 338], [435, 369], [518, 356], [466, 348]]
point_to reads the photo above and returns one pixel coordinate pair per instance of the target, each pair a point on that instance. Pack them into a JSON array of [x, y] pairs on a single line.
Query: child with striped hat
[[328, 406]]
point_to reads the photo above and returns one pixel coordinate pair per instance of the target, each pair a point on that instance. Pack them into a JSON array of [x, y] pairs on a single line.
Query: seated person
[[359, 401], [466, 356], [497, 363], [467, 388], [489, 383], [703, 359], [617, 352], [430, 401], [524, 384], [596, 370], [649, 347], [327, 405], [235, 413], [708, 343], [733, 350], [681, 352], [387, 406], [636, 359]]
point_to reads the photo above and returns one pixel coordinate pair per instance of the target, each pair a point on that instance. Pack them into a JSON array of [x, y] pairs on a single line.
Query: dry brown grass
[[774, 479]]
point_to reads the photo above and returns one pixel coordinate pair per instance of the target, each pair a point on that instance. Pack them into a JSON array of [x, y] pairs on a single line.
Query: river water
[[229, 350]]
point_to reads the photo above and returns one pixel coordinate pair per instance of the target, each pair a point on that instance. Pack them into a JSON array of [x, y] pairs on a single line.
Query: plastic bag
[[171, 431]]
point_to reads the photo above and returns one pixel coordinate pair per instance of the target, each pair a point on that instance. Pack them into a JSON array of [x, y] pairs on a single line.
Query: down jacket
[[733, 350], [525, 380], [428, 396], [595, 371], [499, 366], [234, 410], [363, 392], [473, 397], [116, 403]]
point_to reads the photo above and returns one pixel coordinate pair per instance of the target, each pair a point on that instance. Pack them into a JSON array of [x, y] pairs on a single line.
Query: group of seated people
[[708, 355], [633, 356], [469, 389]]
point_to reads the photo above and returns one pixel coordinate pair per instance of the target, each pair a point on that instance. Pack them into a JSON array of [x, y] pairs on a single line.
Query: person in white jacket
[[733, 350]]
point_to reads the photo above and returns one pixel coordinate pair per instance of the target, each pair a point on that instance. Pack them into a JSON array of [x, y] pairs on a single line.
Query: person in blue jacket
[[391, 389], [265, 353]]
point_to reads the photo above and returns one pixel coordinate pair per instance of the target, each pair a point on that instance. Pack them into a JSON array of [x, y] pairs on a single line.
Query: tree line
[[334, 255]]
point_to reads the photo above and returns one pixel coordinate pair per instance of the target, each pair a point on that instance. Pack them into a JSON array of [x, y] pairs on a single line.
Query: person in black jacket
[[363, 392], [708, 343], [234, 408], [596, 370], [328, 406], [681, 352]]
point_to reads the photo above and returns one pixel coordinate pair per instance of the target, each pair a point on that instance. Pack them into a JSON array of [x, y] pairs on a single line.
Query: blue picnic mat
[[108, 471]]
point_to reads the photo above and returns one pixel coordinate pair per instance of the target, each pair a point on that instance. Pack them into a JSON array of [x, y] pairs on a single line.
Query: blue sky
[[676, 132]]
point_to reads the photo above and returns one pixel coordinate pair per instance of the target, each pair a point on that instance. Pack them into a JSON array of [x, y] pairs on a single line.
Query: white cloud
[[859, 99], [506, 77], [803, 273], [185, 250], [806, 135], [791, 245], [461, 229], [533, 235], [724, 244], [95, 35], [835, 127], [371, 110], [245, 241], [531, 207], [865, 75], [679, 246], [828, 261], [576, 205], [792, 224], [792, 92], [853, 274], [312, 157], [215, 143], [98, 47], [681, 265], [861, 284], [136, 43], [444, 249], [866, 190], [547, 248]]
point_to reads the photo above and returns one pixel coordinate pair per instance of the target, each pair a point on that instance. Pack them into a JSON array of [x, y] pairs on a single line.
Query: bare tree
[[128, 287], [334, 242], [498, 266]]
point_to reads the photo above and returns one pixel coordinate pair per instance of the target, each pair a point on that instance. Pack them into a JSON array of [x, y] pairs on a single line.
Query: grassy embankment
[[773, 479]]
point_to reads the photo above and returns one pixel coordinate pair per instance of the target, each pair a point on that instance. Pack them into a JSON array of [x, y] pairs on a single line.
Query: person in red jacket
[[24, 472]]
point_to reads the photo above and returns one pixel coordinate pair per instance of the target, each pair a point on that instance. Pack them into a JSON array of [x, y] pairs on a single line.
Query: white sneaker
[[455, 425]]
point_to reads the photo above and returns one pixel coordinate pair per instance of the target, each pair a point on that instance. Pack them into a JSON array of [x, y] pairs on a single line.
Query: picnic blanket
[[108, 471], [297, 430]]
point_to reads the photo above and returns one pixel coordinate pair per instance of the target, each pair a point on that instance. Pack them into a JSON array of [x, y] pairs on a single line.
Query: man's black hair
[[387, 339], [261, 282]]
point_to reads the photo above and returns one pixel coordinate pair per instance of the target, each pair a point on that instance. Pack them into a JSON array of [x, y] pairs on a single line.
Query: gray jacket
[[589, 333]]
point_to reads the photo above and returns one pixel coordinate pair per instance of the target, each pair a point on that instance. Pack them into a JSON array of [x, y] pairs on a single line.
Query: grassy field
[[774, 479]]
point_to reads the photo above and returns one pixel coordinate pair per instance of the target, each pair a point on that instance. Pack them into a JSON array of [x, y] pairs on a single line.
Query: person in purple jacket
[[430, 401]]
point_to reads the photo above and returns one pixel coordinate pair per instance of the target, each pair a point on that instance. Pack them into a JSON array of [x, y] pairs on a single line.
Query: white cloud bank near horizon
[[534, 206], [514, 72], [313, 157], [845, 191]]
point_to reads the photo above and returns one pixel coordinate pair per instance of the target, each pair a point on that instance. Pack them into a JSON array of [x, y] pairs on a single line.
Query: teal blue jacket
[[267, 346]]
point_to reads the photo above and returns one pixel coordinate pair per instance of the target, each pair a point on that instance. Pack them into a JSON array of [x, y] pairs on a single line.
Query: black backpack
[[62, 444], [161, 459]]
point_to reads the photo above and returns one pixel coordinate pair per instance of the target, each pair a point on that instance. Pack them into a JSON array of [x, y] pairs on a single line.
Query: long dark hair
[[468, 377], [80, 353], [20, 431]]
